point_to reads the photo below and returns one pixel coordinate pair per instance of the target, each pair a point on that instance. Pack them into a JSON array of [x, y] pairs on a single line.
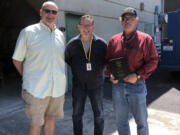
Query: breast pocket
[[37, 46]]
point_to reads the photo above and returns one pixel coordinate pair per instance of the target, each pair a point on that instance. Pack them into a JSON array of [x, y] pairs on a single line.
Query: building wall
[[106, 14]]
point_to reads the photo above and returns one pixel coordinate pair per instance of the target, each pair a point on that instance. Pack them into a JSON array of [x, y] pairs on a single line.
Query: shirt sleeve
[[108, 57], [150, 59], [21, 47], [104, 51]]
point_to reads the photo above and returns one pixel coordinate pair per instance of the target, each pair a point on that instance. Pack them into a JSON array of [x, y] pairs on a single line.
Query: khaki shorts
[[37, 109]]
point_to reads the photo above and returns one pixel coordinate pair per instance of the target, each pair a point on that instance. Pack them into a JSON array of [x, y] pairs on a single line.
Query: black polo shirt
[[75, 57]]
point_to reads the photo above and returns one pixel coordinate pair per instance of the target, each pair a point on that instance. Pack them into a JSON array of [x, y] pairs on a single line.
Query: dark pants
[[96, 98]]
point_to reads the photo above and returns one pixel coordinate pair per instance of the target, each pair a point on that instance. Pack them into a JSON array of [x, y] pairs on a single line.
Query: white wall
[[106, 13]]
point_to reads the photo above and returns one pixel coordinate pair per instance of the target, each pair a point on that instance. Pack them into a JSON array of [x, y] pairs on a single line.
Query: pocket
[[27, 98]]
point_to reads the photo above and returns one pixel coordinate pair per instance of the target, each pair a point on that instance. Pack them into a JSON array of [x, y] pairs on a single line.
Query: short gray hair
[[87, 16]]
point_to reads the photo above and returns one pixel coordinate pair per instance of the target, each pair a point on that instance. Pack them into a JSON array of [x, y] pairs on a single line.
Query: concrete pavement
[[13, 120], [164, 111]]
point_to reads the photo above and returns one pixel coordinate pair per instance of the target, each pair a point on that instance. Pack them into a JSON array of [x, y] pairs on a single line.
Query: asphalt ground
[[163, 102]]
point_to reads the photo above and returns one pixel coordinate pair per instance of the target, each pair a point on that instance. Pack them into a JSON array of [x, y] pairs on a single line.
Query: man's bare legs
[[48, 128]]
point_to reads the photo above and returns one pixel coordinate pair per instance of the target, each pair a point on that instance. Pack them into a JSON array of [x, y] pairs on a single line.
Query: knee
[[77, 115], [98, 112], [142, 124], [78, 112], [49, 119], [99, 116]]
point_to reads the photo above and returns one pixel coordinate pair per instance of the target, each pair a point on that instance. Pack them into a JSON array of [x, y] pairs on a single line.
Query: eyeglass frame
[[132, 18], [90, 25], [48, 11]]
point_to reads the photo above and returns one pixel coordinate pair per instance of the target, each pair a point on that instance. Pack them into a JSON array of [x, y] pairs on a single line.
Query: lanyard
[[88, 58]]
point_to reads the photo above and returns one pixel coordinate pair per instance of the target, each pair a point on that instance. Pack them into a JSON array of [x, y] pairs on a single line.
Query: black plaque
[[119, 68]]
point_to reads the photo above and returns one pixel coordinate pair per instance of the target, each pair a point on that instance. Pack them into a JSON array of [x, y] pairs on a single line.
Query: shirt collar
[[46, 27], [126, 38]]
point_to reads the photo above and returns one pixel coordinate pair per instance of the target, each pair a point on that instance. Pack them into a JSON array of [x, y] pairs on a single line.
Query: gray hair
[[87, 16]]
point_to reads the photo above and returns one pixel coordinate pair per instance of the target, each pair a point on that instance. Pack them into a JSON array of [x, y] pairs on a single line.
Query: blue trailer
[[170, 48]]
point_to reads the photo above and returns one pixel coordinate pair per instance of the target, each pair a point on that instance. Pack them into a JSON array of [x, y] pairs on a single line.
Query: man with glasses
[[129, 94], [39, 58], [85, 54]]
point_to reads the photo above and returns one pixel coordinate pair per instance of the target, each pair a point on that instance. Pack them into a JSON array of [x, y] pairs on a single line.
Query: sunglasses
[[54, 12], [128, 18]]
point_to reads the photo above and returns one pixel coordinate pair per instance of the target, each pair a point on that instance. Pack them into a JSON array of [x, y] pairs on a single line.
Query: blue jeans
[[96, 98], [130, 98]]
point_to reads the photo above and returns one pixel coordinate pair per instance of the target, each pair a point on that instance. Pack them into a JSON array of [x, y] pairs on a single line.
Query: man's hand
[[131, 78], [112, 79]]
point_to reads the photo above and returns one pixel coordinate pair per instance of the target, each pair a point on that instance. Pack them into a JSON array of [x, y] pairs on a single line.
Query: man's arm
[[150, 60], [19, 66], [109, 53], [108, 56]]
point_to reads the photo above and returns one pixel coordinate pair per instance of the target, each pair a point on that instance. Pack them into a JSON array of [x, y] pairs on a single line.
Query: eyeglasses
[[132, 18], [88, 25], [54, 12]]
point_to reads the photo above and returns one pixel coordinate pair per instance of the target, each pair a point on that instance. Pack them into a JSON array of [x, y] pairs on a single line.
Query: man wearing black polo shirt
[[129, 94], [85, 54]]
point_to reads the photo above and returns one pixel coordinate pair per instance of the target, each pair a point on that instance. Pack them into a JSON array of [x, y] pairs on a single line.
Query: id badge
[[88, 66]]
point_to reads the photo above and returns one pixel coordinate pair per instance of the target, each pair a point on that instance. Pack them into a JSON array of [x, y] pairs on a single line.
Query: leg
[[78, 99], [121, 108], [96, 98], [49, 126], [53, 111], [35, 111], [34, 130], [139, 111]]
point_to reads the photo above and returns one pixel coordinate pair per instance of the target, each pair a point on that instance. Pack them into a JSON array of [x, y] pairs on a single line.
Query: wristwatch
[[138, 76]]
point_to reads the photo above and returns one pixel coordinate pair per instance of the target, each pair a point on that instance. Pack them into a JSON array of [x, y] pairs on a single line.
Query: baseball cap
[[129, 10]]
